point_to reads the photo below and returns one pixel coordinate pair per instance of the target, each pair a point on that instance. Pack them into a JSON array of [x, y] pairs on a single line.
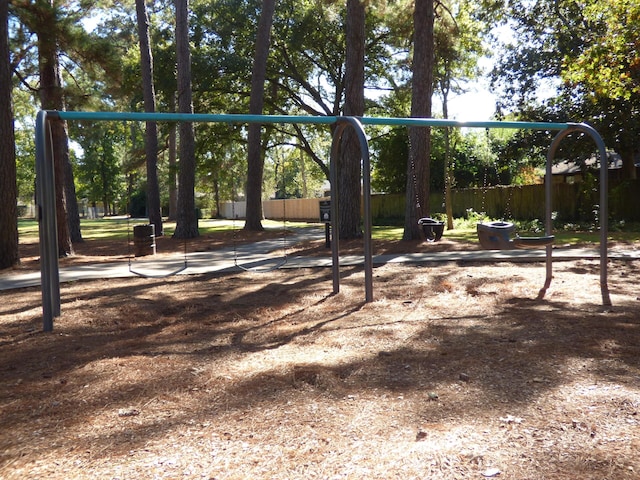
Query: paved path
[[264, 255]]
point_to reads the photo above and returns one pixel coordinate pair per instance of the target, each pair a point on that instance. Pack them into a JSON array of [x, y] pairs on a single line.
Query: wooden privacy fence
[[520, 202], [571, 202], [299, 209], [526, 202]]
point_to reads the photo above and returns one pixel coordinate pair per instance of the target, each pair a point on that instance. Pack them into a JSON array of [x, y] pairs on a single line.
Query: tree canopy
[[586, 56]]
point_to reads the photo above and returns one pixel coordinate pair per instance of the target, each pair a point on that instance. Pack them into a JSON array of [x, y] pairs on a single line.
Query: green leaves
[[609, 65]]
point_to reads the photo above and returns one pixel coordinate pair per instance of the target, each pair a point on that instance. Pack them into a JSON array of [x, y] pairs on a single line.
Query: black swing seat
[[497, 236], [432, 229]]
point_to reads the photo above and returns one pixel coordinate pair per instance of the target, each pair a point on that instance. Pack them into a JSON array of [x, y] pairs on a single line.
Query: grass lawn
[[120, 228]]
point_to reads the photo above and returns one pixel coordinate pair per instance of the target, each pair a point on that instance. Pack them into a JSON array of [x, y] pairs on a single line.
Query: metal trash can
[[144, 240]]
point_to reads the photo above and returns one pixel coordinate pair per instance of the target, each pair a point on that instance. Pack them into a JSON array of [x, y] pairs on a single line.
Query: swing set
[[496, 233]]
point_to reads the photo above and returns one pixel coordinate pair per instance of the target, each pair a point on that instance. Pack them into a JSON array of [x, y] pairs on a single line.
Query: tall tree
[[172, 146], [45, 19], [458, 44], [98, 171], [52, 25], [349, 164], [8, 186], [77, 53], [417, 194], [187, 221], [151, 130], [255, 155]]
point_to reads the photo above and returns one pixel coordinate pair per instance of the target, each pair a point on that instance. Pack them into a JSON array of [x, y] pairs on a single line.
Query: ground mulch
[[454, 371]]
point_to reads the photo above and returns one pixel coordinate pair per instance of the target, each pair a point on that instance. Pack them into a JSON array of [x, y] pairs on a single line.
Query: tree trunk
[[448, 201], [173, 168], [51, 99], [151, 130], [255, 156], [349, 170], [628, 163], [71, 199], [216, 194], [73, 214], [187, 221], [303, 175], [417, 192], [448, 179], [8, 187]]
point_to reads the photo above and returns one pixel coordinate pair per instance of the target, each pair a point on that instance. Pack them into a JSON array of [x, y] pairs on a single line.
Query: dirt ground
[[454, 371]]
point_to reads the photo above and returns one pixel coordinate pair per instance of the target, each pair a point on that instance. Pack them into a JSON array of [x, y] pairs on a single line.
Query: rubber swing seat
[[525, 243]]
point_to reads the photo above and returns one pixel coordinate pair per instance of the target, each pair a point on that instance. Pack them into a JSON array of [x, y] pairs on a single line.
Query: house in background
[[572, 172]]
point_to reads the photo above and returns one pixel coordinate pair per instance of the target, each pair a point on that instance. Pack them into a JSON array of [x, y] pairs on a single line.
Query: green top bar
[[300, 119]]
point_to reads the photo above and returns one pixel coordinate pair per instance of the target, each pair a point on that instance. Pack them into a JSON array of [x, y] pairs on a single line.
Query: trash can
[[144, 240]]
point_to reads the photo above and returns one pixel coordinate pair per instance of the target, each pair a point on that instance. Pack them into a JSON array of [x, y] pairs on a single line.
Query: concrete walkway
[[269, 254]]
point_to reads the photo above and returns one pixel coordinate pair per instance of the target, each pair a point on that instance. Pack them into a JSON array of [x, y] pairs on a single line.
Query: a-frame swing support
[[46, 203]]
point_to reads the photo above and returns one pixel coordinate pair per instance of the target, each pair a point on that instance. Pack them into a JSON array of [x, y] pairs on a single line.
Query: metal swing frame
[[45, 182]]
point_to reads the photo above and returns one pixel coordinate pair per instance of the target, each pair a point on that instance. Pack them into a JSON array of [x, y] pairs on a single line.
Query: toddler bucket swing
[[431, 228], [497, 235], [501, 235]]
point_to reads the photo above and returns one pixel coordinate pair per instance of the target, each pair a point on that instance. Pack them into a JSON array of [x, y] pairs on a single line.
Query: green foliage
[[24, 117], [390, 161], [474, 163], [588, 198], [478, 159], [99, 172], [591, 48], [609, 65], [137, 203], [458, 44], [290, 174]]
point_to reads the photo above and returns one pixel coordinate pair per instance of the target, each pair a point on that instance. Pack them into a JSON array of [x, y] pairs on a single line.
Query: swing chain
[[484, 193], [415, 187], [415, 180], [507, 207], [284, 259]]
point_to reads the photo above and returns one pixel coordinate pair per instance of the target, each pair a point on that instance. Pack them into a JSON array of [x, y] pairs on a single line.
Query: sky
[[478, 103]]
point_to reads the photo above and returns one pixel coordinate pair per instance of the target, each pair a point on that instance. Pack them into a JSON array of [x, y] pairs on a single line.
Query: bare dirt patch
[[454, 371]]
